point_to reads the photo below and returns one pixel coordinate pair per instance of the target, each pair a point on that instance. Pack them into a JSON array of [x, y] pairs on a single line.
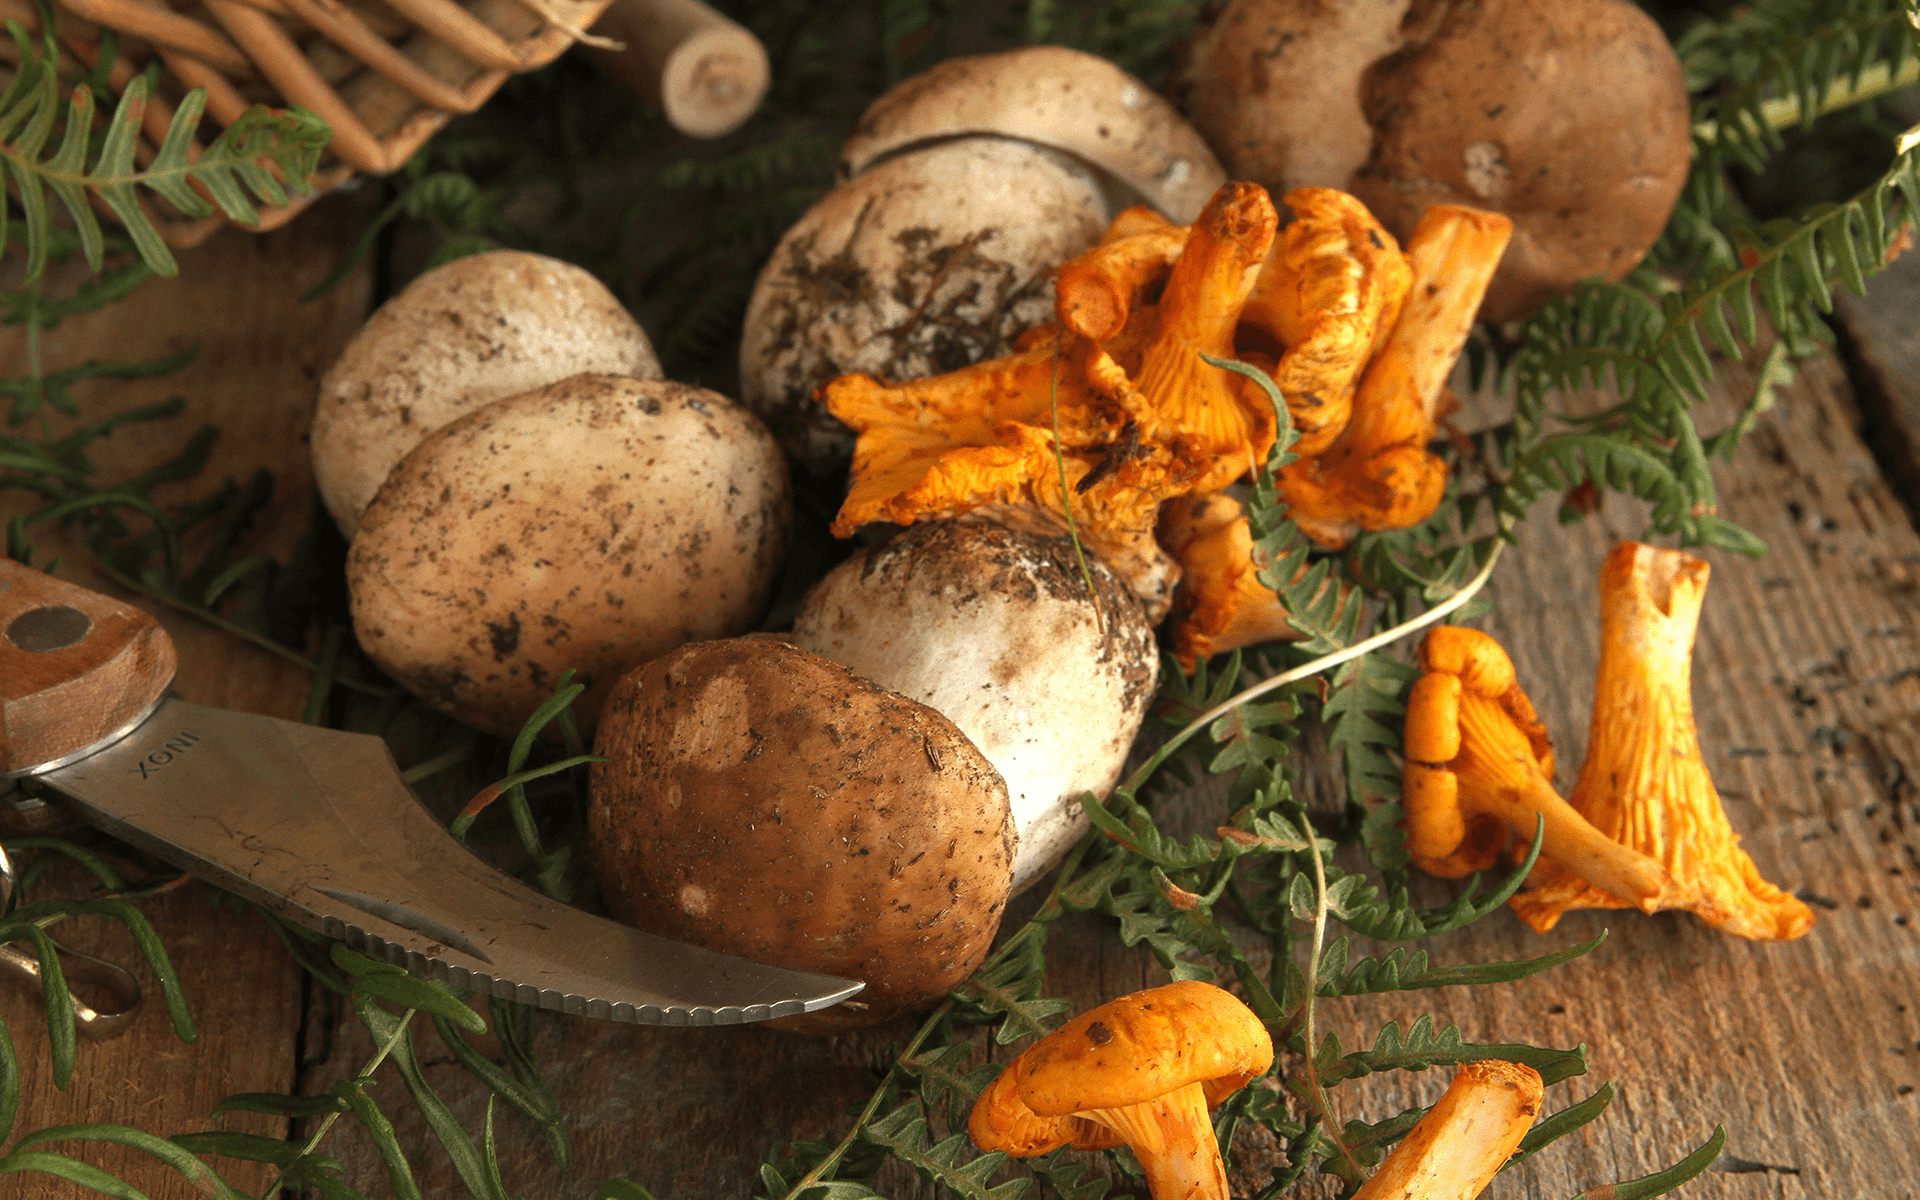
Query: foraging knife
[[317, 825]]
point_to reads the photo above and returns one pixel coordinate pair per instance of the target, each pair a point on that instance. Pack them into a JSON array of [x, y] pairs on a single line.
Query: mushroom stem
[[1572, 841], [1522, 795], [1174, 1142], [1458, 1147]]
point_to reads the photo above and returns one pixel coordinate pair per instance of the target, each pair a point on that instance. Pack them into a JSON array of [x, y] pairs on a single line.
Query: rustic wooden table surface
[[1807, 693]]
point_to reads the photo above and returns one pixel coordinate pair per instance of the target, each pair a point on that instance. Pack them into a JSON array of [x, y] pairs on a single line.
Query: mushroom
[[759, 800], [1570, 116], [1221, 604], [997, 630], [586, 525], [923, 264], [1051, 96], [1478, 759], [1454, 1151], [1645, 783], [959, 190], [1329, 295], [1139, 1071], [469, 331], [1378, 474]]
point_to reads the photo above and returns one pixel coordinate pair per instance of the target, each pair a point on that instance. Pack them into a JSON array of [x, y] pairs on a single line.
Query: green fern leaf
[[903, 1133]]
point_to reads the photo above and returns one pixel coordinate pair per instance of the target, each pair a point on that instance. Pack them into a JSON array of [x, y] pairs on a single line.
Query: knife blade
[[317, 825]]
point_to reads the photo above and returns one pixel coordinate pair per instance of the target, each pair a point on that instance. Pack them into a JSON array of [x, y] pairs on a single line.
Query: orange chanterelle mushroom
[[1378, 474], [1479, 769], [1140, 1071], [1330, 294], [1644, 782]]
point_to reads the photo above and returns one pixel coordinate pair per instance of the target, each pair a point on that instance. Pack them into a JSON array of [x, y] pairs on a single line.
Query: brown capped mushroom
[[762, 801], [473, 330], [587, 525], [1569, 116]]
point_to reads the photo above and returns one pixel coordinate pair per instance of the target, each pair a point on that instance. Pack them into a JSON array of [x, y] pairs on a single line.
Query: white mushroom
[[997, 630], [464, 333], [591, 524], [1052, 96]]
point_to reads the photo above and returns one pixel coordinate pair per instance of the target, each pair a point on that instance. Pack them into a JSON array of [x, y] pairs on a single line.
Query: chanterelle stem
[[1174, 1142], [1513, 788]]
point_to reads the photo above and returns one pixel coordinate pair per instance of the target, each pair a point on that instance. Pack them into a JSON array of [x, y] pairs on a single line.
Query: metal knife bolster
[[317, 825]]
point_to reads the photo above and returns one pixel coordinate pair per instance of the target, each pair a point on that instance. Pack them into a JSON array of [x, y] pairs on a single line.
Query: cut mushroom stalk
[[1462, 1142], [1478, 758]]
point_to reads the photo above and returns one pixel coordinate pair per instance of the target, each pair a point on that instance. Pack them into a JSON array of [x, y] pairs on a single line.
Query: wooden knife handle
[[75, 666]]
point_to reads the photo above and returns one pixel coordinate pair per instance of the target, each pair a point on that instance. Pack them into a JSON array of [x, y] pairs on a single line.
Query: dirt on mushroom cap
[[923, 264]]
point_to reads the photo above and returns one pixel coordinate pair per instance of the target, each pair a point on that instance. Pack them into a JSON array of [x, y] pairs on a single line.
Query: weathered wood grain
[[1883, 342], [260, 355]]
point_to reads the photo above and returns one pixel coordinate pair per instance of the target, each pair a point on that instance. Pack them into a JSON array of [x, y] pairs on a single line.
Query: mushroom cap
[[469, 331], [1274, 86], [590, 524], [1144, 1045], [1570, 116], [929, 262], [996, 629], [1001, 1121], [762, 801], [1053, 96]]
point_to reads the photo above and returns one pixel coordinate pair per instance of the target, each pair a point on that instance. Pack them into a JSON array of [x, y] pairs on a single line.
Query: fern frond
[[1422, 1046], [1399, 971], [1780, 63], [904, 1133], [264, 152]]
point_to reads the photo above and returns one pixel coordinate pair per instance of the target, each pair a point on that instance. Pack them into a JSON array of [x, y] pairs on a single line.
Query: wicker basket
[[384, 74]]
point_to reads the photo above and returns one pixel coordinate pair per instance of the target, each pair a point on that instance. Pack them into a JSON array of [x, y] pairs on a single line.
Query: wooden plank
[[259, 361], [686, 1113], [1883, 342]]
